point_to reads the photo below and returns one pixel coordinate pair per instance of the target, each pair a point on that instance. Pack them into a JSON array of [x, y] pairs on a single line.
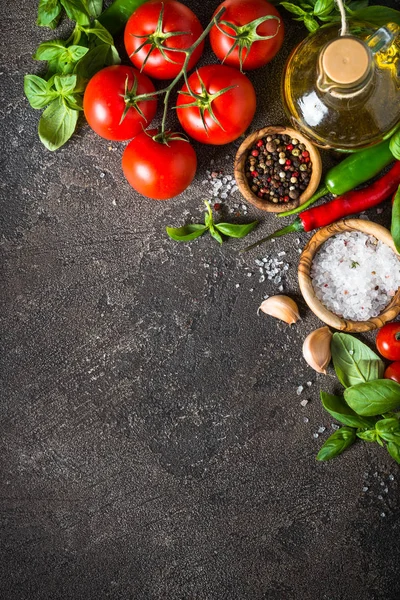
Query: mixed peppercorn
[[278, 168]]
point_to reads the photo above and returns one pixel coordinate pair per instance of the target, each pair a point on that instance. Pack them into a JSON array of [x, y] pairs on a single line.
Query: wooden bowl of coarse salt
[[282, 166], [349, 275]]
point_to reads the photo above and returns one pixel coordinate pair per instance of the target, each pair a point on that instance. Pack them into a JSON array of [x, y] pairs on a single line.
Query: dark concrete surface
[[153, 445]]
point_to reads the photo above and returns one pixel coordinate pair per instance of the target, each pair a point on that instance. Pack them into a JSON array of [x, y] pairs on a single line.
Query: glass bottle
[[343, 92]]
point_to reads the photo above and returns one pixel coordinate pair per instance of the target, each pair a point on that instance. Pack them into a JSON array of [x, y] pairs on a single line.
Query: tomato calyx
[[245, 35], [132, 98], [203, 101], [164, 137], [157, 40]]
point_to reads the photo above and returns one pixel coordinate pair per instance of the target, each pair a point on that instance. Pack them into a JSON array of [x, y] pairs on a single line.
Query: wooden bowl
[[243, 184], [388, 314]]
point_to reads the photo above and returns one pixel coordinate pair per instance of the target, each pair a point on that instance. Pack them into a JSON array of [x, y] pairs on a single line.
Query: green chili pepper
[[355, 169], [116, 15]]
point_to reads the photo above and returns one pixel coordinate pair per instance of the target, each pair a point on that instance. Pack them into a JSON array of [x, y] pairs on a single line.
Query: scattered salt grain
[[315, 435], [383, 514], [354, 275], [321, 429], [309, 383], [391, 477], [365, 489], [306, 420], [304, 402], [335, 426], [299, 390], [380, 497]]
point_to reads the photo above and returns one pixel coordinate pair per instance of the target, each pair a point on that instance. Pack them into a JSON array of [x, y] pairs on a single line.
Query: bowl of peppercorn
[[277, 169]]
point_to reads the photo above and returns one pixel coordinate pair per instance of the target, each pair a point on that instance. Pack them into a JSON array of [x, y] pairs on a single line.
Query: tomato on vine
[[217, 104], [110, 104], [388, 341], [159, 166], [156, 32], [249, 35]]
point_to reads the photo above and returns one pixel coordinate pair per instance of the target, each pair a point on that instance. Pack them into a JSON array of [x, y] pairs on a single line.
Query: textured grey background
[[152, 442]]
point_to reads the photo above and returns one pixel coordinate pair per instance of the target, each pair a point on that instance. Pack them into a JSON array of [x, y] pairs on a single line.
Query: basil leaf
[[357, 5], [214, 233], [390, 425], [395, 226], [187, 232], [49, 13], [38, 92], [57, 124], [378, 15], [296, 10], [65, 83], [353, 361], [49, 50], [74, 101], [76, 11], [337, 443], [94, 7], [374, 397], [394, 451], [368, 436], [236, 231], [323, 8], [100, 32], [339, 410], [97, 58]]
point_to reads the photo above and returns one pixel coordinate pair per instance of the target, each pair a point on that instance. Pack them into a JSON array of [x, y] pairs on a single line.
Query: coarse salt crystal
[[304, 402], [321, 429], [299, 390]]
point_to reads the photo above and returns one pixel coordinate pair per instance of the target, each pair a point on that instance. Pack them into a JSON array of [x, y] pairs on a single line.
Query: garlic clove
[[281, 307], [317, 349]]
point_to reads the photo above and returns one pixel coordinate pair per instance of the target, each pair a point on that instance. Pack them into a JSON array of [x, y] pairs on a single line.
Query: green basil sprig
[[187, 233], [70, 64], [316, 13], [367, 397], [50, 11]]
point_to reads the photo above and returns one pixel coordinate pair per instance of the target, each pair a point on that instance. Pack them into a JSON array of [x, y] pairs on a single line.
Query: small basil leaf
[[76, 11], [311, 23], [94, 7], [390, 425], [236, 231], [357, 5], [374, 397], [38, 92], [187, 232], [339, 410], [74, 101], [337, 443], [354, 362], [57, 124], [378, 15], [395, 226], [394, 451], [214, 233], [65, 83], [74, 53], [49, 50], [370, 435], [323, 8], [49, 12], [292, 8]]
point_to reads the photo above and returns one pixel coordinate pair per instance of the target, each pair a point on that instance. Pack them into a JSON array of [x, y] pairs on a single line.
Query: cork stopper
[[346, 61]]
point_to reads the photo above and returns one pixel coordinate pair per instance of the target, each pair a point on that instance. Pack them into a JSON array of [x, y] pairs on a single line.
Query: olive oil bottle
[[343, 92]]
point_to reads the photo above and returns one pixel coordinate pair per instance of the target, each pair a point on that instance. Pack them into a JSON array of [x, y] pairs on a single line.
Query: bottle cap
[[346, 60]]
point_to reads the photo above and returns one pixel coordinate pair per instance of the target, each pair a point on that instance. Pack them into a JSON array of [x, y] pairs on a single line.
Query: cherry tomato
[[104, 102], [158, 170], [153, 58], [388, 341], [225, 115], [253, 53], [393, 371]]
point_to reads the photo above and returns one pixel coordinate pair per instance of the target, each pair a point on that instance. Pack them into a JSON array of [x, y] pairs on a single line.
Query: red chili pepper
[[342, 206]]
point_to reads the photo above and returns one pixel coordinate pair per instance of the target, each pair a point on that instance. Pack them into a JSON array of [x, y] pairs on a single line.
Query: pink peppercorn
[[305, 154], [288, 161], [289, 147], [260, 143], [255, 153], [217, 206]]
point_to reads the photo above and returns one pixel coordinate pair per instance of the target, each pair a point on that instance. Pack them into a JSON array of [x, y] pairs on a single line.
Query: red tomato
[[158, 170], [153, 58], [388, 341], [233, 110], [393, 371], [253, 53], [104, 102]]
